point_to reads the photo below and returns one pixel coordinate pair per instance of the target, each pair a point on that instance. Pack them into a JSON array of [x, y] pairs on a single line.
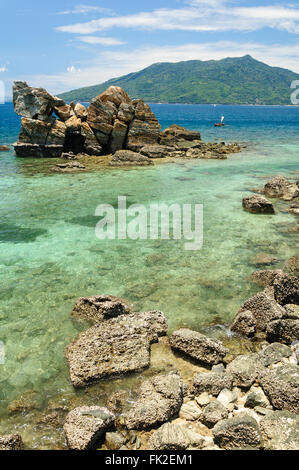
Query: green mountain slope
[[229, 81]]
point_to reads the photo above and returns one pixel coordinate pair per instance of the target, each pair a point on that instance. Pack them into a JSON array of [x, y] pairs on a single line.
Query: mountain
[[241, 80]]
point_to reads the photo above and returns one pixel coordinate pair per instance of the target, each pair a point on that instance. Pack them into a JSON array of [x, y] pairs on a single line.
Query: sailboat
[[221, 123]]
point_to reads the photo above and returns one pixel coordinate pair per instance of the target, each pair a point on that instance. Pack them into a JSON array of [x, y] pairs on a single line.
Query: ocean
[[50, 255]]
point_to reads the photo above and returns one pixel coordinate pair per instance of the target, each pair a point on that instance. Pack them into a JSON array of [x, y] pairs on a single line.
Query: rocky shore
[[233, 401], [123, 131]]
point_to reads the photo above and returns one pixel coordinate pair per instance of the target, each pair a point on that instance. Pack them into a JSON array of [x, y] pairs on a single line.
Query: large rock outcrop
[[112, 122], [114, 347]]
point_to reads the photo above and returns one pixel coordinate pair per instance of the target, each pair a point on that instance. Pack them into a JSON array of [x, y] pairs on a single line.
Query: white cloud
[[3, 68], [197, 15], [111, 64], [104, 41], [73, 69], [85, 9]]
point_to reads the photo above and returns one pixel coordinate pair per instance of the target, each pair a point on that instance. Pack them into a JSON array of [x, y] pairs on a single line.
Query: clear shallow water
[[49, 255]]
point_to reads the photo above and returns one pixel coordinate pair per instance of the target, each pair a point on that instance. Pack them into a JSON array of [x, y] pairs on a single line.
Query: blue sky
[[66, 44]]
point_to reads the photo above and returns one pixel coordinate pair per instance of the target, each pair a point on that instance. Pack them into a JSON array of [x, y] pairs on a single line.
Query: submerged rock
[[258, 205], [263, 259], [198, 346], [101, 307], [265, 277], [242, 432], [129, 158], [114, 347], [280, 187], [156, 151], [11, 442], [159, 400], [86, 425], [292, 266]]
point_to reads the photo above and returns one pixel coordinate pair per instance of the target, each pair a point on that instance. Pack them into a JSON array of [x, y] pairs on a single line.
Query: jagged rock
[[256, 313], [212, 383], [244, 324], [203, 399], [159, 400], [242, 432], [190, 411], [80, 111], [91, 145], [11, 442], [284, 331], [101, 307], [69, 156], [38, 151], [281, 386], [273, 354], [142, 133], [175, 133], [256, 397], [126, 112], [258, 205], [68, 167], [292, 266], [213, 413], [40, 139], [244, 370], [280, 187], [73, 125], [286, 289], [173, 436], [64, 112], [114, 347], [280, 431], [34, 103], [42, 133], [227, 398], [114, 440], [86, 425], [198, 346], [265, 277], [129, 158], [117, 401], [4, 148], [156, 151], [118, 136]]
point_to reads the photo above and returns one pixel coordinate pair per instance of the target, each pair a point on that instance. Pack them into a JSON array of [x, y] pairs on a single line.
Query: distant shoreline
[[207, 104]]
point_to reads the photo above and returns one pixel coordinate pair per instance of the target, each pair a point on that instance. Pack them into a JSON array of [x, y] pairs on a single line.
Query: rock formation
[[112, 122]]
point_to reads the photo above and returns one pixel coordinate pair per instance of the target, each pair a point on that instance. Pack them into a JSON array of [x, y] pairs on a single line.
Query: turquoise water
[[50, 255]]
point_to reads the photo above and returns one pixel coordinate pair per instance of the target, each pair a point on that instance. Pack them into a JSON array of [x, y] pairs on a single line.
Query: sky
[[63, 44]]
